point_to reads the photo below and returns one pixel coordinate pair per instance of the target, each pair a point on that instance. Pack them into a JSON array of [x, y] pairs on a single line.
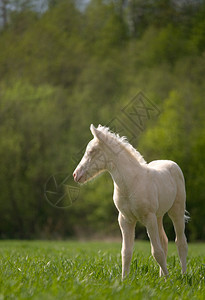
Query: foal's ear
[[96, 133], [93, 130]]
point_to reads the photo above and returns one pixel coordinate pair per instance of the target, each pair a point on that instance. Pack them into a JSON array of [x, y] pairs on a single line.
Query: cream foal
[[142, 192]]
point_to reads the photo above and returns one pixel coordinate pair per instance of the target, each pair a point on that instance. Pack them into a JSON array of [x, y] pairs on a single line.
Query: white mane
[[123, 143]]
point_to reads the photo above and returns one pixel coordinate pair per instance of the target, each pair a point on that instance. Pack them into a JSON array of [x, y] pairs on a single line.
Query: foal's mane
[[123, 142]]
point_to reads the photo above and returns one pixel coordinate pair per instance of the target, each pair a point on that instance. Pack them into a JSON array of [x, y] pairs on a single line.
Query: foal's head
[[94, 160]]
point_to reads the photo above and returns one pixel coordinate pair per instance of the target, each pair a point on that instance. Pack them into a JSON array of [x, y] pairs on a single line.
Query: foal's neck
[[124, 168]]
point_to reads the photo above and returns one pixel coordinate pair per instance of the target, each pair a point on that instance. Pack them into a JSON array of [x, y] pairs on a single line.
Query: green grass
[[92, 270]]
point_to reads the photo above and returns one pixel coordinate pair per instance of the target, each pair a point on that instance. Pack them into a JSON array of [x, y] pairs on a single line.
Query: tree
[[178, 136], [32, 122], [4, 12]]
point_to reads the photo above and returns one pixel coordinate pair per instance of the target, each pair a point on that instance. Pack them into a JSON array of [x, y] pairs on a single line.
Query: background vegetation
[[68, 65]]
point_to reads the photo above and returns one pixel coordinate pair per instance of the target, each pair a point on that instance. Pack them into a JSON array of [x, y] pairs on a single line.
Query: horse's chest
[[125, 206]]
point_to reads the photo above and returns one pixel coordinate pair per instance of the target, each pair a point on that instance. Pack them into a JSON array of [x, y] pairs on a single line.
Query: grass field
[[92, 270]]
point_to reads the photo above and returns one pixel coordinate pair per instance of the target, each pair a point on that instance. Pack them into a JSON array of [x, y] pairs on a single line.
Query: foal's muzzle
[[78, 175]]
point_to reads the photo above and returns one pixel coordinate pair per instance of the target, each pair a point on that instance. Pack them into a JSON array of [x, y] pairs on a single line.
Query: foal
[[142, 192]]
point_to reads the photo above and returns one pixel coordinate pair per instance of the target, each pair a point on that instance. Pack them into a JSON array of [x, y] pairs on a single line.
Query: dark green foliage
[[66, 68]]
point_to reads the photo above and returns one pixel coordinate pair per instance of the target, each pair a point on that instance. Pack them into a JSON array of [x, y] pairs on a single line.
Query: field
[[92, 270]]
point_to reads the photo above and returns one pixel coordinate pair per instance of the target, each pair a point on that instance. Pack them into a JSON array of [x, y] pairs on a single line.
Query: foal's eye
[[92, 151]]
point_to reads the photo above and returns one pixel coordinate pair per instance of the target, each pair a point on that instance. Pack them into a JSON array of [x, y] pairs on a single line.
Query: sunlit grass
[[81, 270]]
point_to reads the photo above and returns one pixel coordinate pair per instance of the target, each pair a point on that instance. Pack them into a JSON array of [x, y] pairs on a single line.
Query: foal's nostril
[[74, 175]]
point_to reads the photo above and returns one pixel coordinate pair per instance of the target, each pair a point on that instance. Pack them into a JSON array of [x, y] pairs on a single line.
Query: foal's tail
[[187, 216]]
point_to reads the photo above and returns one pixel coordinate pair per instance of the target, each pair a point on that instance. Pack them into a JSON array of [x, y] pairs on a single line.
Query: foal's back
[[167, 165]]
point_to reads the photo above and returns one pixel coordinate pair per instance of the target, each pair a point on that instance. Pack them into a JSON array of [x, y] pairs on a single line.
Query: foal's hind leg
[[179, 225], [163, 239], [157, 250]]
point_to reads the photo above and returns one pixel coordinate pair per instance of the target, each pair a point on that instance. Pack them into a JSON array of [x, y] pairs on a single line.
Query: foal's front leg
[[128, 235]]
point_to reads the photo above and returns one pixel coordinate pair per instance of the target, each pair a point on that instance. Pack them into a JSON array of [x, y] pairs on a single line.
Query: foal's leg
[[181, 242], [128, 235], [163, 239], [157, 250]]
